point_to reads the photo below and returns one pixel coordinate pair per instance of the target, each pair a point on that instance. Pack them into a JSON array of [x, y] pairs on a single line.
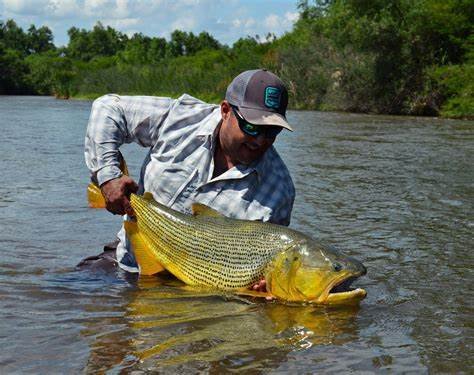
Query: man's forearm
[[116, 120]]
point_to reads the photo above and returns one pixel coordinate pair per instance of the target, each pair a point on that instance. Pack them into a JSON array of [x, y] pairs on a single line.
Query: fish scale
[[204, 250]]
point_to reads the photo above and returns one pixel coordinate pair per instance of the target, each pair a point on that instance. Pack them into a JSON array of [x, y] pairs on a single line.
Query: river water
[[395, 192]]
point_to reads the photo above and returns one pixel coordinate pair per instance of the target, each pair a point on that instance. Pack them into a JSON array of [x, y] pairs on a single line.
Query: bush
[[456, 84]]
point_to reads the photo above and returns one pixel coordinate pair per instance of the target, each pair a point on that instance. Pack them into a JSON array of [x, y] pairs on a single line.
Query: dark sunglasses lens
[[250, 129], [255, 130], [272, 132]]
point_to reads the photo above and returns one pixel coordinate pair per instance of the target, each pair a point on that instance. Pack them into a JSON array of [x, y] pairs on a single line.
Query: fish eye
[[337, 267]]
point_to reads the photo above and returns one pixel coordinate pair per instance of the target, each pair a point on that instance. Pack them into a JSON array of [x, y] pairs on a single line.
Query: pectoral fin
[[147, 263], [254, 293]]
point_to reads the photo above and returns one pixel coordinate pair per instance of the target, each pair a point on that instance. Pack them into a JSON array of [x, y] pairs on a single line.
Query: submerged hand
[[117, 195], [261, 286]]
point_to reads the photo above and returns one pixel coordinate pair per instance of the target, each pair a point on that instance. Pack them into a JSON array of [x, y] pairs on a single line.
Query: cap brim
[[259, 117]]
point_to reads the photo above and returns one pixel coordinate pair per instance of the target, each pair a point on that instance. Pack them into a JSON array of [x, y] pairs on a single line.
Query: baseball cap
[[260, 96]]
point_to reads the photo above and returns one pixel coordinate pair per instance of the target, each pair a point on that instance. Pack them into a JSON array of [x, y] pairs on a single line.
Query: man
[[221, 156]]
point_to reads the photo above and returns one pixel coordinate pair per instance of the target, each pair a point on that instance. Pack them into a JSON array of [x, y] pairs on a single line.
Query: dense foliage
[[388, 56], [380, 56]]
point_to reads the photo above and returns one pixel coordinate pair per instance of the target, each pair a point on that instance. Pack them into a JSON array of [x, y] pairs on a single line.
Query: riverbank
[[216, 100]]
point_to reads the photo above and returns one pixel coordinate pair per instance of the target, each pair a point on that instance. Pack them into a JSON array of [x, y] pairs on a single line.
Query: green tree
[[12, 36], [40, 40], [183, 43], [12, 71], [100, 41], [403, 38], [158, 50], [136, 50], [206, 41]]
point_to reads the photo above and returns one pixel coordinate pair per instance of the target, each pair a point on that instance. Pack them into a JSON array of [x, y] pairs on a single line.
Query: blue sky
[[226, 20]]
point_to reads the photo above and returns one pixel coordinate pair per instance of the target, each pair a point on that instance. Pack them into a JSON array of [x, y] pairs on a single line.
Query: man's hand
[[261, 286], [117, 195]]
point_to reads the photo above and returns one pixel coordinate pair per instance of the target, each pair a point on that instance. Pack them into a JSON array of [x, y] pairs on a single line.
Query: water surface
[[395, 192]]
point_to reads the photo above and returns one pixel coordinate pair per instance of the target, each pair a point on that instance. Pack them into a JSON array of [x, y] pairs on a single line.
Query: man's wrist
[[108, 173]]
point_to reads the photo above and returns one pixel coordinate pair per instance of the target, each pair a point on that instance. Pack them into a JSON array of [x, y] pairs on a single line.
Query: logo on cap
[[272, 97]]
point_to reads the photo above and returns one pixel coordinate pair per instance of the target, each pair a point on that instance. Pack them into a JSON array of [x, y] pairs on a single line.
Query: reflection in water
[[168, 326]]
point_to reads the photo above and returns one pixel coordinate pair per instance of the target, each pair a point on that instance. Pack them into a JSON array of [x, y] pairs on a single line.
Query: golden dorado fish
[[208, 249]]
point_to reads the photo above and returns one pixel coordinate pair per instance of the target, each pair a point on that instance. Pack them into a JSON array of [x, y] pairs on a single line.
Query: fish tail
[[147, 263], [95, 199]]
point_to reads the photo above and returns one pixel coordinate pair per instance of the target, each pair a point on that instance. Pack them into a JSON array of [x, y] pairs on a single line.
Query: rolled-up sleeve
[[115, 120]]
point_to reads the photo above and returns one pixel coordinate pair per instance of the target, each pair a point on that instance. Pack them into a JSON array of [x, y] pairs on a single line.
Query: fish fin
[[123, 165], [147, 263], [95, 199], [254, 293], [148, 196], [200, 209]]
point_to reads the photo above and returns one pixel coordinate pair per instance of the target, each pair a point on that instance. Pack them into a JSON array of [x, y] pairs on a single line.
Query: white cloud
[[275, 23], [123, 23], [47, 8], [188, 2], [26, 7], [272, 21], [249, 22], [243, 23], [107, 8], [186, 23], [121, 10], [292, 17], [146, 6], [94, 4], [62, 8], [91, 7]]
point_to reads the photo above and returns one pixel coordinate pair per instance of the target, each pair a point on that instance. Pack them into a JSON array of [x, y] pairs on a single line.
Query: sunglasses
[[255, 130]]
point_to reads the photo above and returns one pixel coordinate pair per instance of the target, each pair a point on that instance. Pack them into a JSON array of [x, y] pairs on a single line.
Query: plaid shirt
[[181, 135]]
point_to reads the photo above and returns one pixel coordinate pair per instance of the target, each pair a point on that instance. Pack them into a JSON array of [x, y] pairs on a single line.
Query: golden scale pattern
[[204, 250]]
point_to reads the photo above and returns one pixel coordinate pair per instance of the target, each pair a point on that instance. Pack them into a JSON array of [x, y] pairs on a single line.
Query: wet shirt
[[181, 136]]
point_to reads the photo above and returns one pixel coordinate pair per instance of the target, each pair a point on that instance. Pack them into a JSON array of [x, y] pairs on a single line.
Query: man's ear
[[225, 109]]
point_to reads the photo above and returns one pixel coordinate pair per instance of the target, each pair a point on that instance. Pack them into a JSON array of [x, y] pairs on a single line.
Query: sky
[[226, 20]]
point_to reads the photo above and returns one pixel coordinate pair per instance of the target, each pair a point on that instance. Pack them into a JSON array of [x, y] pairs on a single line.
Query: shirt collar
[[210, 128], [241, 170]]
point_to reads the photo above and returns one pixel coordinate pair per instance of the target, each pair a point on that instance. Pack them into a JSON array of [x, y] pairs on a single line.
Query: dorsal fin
[[148, 196], [200, 209]]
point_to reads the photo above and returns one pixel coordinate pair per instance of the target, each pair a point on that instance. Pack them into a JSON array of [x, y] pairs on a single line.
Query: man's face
[[241, 148]]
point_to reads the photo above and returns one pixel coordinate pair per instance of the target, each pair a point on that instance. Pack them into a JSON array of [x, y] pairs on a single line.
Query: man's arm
[[282, 214], [116, 120]]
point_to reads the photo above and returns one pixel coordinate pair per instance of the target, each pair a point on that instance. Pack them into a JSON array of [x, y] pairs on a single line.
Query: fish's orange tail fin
[[147, 263], [95, 199]]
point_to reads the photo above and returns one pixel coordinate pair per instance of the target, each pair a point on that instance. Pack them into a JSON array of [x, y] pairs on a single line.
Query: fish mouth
[[341, 292]]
